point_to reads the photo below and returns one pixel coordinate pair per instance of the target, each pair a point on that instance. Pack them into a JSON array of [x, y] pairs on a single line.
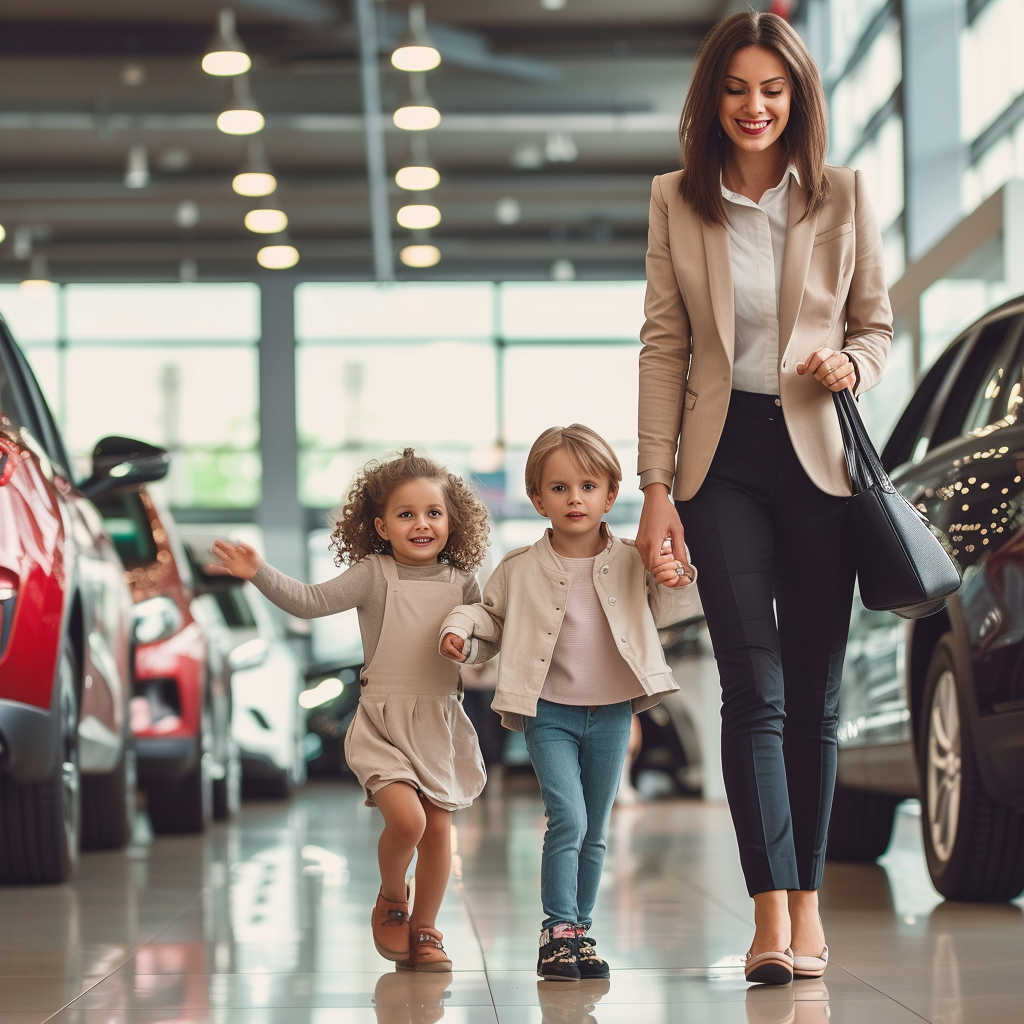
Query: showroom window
[[174, 364], [472, 372]]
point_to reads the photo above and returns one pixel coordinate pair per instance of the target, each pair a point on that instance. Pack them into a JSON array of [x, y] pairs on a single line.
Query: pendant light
[[240, 116], [277, 257], [417, 113], [226, 55], [420, 256], [264, 221], [255, 178], [418, 217], [416, 50]]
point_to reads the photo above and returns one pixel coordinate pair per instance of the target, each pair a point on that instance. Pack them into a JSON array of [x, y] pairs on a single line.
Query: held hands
[[661, 535], [834, 369], [238, 560], [452, 647]]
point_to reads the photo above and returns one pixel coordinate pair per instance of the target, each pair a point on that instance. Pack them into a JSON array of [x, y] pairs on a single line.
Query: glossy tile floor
[[265, 921]]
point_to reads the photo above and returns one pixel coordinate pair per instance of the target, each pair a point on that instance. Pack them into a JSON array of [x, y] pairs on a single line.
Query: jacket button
[[778, 401], [604, 570], [611, 600], [622, 639], [561, 583]]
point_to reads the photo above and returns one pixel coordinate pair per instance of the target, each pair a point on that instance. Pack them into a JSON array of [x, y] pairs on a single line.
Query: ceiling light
[[3, 232], [416, 50], [38, 279], [553, 5], [416, 118], [417, 113], [266, 222], [240, 116], [420, 255], [133, 74], [417, 179], [226, 54], [187, 214], [255, 177], [507, 211], [418, 217], [136, 174], [277, 257], [560, 148], [528, 157]]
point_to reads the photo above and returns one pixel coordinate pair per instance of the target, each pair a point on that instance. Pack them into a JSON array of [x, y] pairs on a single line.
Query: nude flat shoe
[[769, 968], [810, 966]]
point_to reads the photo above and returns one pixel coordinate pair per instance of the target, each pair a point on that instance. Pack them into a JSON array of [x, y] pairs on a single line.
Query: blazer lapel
[[797, 258], [719, 264]]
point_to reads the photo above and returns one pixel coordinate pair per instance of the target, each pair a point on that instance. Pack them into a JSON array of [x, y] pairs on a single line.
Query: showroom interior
[[276, 240]]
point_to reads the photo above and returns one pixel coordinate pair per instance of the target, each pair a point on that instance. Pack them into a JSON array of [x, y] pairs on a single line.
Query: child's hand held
[[666, 571], [452, 647], [239, 560]]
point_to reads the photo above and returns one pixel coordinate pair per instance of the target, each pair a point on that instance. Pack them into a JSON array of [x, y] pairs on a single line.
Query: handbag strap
[[862, 460]]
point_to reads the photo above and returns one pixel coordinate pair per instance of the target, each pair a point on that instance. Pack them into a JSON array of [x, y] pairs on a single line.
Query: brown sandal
[[390, 924], [426, 953]]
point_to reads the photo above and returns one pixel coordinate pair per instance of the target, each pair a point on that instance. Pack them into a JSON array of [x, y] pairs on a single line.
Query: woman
[[766, 291]]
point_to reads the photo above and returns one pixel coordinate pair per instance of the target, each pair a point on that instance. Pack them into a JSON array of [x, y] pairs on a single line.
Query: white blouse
[[757, 243]]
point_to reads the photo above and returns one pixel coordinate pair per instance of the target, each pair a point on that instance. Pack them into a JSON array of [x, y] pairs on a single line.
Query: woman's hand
[[452, 647], [238, 560], [659, 523], [834, 369]]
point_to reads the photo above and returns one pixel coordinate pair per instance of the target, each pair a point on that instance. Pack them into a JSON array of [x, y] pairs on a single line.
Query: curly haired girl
[[412, 534]]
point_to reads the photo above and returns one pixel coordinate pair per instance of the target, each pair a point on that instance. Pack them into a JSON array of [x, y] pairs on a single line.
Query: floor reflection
[[265, 921]]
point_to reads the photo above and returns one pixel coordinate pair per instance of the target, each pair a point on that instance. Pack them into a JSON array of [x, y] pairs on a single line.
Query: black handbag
[[902, 563]]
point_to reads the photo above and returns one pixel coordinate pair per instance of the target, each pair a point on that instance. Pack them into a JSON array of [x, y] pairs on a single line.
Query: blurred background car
[[67, 765], [934, 708], [181, 707], [268, 724]]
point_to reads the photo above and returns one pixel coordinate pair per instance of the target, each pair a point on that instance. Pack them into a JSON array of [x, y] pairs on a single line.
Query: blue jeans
[[577, 753]]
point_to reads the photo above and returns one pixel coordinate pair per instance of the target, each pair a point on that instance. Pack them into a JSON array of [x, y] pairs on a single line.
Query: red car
[[181, 709], [67, 768]]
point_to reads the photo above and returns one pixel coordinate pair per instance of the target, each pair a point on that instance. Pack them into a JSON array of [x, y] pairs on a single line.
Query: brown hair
[[587, 449], [703, 143], [355, 536]]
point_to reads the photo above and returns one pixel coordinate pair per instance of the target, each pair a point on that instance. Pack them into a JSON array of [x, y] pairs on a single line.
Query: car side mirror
[[124, 462]]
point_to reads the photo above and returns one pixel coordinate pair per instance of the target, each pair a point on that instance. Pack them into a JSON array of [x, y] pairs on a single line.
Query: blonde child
[[576, 616], [413, 535]]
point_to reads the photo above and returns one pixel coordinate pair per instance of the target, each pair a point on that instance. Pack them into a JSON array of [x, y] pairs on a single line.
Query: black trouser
[[759, 529]]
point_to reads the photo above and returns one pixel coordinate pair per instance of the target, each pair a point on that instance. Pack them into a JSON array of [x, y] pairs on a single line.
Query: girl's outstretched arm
[[303, 600]]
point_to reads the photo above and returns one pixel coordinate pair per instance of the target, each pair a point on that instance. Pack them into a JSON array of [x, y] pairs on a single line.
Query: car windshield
[[127, 523]]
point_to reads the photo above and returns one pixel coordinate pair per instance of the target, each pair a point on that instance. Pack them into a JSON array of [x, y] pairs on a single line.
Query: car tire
[[40, 823], [186, 806], [860, 828], [227, 791], [108, 803], [974, 845]]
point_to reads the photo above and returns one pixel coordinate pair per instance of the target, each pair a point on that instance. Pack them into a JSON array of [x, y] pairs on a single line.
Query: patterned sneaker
[[557, 960], [591, 965]]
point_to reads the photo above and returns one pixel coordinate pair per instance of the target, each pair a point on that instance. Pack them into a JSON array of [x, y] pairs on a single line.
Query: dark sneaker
[[591, 965], [557, 960]]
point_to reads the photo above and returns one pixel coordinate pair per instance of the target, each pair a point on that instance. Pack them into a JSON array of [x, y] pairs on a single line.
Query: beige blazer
[[833, 293], [521, 615]]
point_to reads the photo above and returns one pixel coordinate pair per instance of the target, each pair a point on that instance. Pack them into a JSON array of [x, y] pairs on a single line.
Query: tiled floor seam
[[464, 897], [885, 995], [134, 952]]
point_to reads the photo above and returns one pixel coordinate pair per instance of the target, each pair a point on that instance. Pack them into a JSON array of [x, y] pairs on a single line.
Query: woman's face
[[754, 107]]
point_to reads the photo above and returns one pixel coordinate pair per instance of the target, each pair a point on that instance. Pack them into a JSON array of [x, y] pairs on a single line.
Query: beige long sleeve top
[[362, 587]]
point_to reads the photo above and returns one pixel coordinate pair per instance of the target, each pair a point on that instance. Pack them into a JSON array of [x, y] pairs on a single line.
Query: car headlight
[[156, 618], [250, 654]]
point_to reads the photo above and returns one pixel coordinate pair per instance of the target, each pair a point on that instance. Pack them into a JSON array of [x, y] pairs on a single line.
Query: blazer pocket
[[689, 399], [827, 236]]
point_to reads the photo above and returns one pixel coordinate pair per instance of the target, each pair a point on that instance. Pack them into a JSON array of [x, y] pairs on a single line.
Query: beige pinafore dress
[[409, 725]]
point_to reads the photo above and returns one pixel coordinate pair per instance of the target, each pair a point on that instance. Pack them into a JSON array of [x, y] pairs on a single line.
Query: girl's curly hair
[[355, 536]]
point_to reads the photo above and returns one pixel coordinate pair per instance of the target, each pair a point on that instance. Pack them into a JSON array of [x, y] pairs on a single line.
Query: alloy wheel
[[944, 774]]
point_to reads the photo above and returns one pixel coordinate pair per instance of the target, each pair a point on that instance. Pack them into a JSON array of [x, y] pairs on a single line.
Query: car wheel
[[974, 845], [860, 828], [40, 823], [108, 803], [227, 790], [186, 806]]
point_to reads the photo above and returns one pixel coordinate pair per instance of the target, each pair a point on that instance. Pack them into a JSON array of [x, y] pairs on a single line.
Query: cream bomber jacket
[[521, 615]]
